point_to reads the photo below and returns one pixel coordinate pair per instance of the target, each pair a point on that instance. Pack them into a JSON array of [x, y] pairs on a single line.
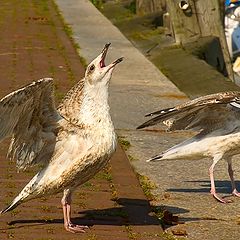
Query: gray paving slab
[[138, 87]]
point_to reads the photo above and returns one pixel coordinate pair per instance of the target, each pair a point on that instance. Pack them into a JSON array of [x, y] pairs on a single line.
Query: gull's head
[[97, 71]]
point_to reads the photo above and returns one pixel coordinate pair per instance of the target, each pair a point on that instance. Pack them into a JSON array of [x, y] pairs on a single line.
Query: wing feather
[[30, 118], [205, 114]]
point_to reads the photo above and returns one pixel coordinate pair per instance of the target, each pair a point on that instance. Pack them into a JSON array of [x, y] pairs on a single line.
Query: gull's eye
[[92, 67]]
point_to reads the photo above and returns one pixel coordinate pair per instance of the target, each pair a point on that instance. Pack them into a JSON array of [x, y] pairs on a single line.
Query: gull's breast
[[76, 160]]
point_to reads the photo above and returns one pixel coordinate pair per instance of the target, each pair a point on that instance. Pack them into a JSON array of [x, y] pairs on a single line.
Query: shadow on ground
[[221, 187], [120, 215]]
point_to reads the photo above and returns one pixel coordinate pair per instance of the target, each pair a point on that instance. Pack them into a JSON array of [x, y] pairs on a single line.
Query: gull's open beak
[[103, 56], [117, 61]]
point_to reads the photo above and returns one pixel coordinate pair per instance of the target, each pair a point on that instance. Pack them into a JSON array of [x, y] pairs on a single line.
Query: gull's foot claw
[[235, 193], [73, 228], [221, 200]]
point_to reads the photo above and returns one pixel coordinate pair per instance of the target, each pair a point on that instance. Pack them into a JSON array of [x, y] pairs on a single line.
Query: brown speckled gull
[[216, 117], [71, 143]]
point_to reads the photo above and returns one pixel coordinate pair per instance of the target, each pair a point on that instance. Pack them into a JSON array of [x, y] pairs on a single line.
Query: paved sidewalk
[[33, 45]]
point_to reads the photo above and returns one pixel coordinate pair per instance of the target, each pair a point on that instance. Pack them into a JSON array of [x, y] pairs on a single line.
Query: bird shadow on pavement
[[135, 212], [204, 186]]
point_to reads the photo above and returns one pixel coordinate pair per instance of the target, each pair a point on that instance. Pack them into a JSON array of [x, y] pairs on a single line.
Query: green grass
[[90, 186], [124, 143], [15, 212], [51, 229], [45, 208], [131, 234], [131, 158], [43, 5], [147, 186], [68, 30], [92, 236], [87, 184], [132, 7], [159, 212], [146, 34], [11, 185], [98, 3], [105, 175]]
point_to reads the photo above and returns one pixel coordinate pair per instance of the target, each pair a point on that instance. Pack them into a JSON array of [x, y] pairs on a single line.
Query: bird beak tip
[[119, 60]]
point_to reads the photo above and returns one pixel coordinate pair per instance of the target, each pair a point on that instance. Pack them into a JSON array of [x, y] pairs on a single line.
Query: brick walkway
[[33, 44]]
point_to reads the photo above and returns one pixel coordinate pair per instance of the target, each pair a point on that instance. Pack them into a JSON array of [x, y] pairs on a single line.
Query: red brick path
[[33, 44]]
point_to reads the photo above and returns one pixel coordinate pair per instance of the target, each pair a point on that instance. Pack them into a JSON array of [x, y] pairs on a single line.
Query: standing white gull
[[71, 143], [216, 117]]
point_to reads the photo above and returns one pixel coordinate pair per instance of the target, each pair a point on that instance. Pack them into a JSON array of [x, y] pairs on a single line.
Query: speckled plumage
[[71, 143], [216, 117]]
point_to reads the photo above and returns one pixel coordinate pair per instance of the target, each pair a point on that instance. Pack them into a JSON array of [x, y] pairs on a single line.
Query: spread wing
[[29, 117], [205, 114]]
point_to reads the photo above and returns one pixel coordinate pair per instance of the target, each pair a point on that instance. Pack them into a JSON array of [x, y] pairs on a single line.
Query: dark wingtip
[[162, 111], [10, 207], [140, 126], [5, 210], [149, 115], [157, 157], [150, 122]]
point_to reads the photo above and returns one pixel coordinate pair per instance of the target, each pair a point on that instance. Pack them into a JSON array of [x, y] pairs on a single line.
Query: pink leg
[[230, 172], [66, 205], [213, 189]]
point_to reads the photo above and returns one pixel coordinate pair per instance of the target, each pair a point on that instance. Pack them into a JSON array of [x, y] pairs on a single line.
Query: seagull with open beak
[[71, 143]]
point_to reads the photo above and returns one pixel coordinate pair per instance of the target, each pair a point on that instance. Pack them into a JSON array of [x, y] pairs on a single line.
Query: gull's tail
[[155, 158], [186, 149], [26, 194]]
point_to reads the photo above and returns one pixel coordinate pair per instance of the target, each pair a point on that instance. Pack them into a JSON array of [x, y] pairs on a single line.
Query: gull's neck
[[71, 103], [87, 105], [94, 107]]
